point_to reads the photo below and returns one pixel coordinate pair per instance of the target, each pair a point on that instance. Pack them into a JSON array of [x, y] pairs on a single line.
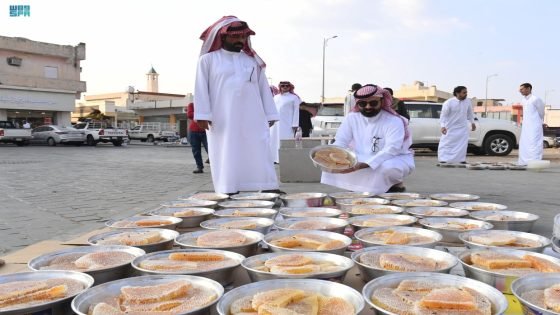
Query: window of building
[[51, 72]]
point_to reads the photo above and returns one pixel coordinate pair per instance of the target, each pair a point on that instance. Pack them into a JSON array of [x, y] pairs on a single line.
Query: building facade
[[39, 82], [419, 92]]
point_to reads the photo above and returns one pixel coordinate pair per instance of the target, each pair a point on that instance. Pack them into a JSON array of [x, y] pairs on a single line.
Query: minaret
[[152, 83]]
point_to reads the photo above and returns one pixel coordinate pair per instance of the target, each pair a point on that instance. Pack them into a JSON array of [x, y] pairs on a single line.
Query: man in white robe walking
[[456, 120], [531, 141], [235, 106], [381, 141], [287, 104], [349, 101]]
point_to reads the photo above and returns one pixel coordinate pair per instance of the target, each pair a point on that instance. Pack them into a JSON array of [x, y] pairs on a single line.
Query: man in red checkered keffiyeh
[[381, 142], [234, 104]]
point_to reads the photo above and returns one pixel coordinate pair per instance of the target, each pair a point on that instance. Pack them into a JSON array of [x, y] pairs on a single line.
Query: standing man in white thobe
[[235, 106], [381, 142], [456, 120], [531, 141], [349, 101], [287, 105]]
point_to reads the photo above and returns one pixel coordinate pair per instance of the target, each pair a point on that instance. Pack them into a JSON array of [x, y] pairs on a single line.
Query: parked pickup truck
[[492, 136], [152, 131], [10, 134], [101, 131]]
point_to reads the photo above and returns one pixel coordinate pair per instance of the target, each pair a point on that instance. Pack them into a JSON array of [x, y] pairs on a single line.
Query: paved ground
[[60, 192]]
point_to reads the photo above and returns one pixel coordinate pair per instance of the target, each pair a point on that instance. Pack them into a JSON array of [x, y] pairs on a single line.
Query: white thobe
[[391, 162], [232, 92], [349, 103], [457, 117], [287, 105], [531, 141]]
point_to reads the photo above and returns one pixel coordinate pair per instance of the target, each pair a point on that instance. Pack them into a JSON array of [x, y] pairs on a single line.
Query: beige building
[[418, 92], [552, 116], [135, 106], [39, 82]]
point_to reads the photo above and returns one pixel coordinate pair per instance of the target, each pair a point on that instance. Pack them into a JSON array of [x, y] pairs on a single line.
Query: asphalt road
[[60, 192]]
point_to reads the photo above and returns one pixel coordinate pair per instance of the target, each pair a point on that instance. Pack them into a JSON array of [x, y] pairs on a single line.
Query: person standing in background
[[287, 105], [531, 140], [456, 120], [398, 105], [349, 101], [197, 138]]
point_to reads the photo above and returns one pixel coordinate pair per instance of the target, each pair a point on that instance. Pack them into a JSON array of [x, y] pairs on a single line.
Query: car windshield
[[327, 110], [80, 126]]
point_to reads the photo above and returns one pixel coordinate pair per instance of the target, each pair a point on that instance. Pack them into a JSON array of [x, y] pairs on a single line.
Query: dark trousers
[[197, 140]]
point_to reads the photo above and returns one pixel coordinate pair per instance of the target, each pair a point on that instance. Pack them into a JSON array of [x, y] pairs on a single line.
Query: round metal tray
[[452, 235], [331, 235], [399, 220], [168, 237], [419, 203], [246, 204], [259, 212], [499, 281], [338, 224], [172, 226], [472, 206], [188, 240], [455, 197], [350, 195], [263, 224], [188, 221], [538, 281], [304, 199], [380, 208], [348, 204], [420, 212], [211, 196], [223, 275], [403, 229], [323, 287], [351, 155], [465, 238], [524, 223], [401, 196], [102, 293], [297, 212], [499, 302], [257, 275], [370, 272], [60, 306], [256, 196], [100, 275]]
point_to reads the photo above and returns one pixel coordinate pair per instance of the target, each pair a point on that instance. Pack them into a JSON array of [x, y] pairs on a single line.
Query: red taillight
[[1, 132], [101, 132]]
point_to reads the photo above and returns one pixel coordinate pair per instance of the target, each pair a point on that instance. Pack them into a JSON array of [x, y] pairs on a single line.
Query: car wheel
[[90, 141], [20, 143], [498, 144], [117, 143], [150, 138], [51, 142], [546, 145]]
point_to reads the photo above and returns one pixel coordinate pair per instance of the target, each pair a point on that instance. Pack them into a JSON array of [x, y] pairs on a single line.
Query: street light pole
[[486, 97], [325, 40]]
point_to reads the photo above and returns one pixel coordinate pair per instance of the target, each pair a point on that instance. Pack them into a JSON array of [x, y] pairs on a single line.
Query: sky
[[385, 42]]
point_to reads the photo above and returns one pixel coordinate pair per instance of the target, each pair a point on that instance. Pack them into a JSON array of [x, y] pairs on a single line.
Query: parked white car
[[492, 136], [10, 134], [53, 135], [328, 119], [101, 131], [152, 131]]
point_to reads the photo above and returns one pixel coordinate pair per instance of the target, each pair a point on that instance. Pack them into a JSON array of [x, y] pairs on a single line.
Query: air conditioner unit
[[14, 61]]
